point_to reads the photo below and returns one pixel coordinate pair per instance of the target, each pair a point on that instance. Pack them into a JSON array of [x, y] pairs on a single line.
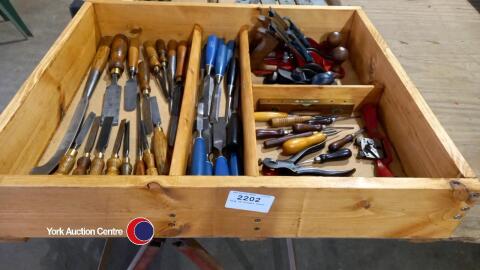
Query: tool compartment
[[422, 203]]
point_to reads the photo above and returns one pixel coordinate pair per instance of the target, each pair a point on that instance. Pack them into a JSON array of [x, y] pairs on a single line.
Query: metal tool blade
[[104, 134], [208, 86], [119, 138], [147, 114], [87, 123], [145, 144], [207, 134], [199, 120], [175, 113], [67, 140], [130, 95], [215, 107], [219, 134], [126, 139], [111, 103], [92, 136], [156, 119]]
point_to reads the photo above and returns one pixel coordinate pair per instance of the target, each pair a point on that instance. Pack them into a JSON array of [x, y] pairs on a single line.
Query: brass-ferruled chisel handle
[[126, 167], [151, 54], [150, 163], [98, 163], [133, 54], [113, 166], [139, 167], [143, 77], [159, 148], [83, 164], [267, 116], [118, 53], [103, 51], [161, 50], [279, 141], [67, 162], [296, 145], [181, 58], [288, 121], [301, 127]]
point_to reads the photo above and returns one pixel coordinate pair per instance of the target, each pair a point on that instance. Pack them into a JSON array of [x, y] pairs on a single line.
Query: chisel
[[148, 157], [68, 160], [177, 92], [162, 54], [221, 62], [130, 95], [156, 67], [114, 162], [98, 65], [159, 140], [111, 98], [208, 83], [144, 84], [234, 132], [83, 163], [98, 162], [171, 68], [139, 168], [219, 137], [126, 167], [199, 153], [231, 76]]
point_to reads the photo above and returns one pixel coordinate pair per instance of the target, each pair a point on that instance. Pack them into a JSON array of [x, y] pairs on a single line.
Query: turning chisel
[[98, 65], [98, 162], [139, 168], [159, 140], [144, 83], [114, 162], [130, 95], [126, 167], [68, 160], [155, 67], [177, 92], [111, 98], [83, 163], [171, 68]]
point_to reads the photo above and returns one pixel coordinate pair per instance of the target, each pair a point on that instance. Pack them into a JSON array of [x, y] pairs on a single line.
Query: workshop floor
[[46, 19]]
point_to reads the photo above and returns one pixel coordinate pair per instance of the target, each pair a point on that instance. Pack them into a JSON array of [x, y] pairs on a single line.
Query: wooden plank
[[434, 153], [194, 206], [358, 94], [46, 95]]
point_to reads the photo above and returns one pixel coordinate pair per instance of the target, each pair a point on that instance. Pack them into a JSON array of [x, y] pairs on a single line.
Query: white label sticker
[[249, 201]]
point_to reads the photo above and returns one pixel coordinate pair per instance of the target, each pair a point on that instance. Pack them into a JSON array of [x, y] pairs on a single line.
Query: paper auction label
[[249, 201]]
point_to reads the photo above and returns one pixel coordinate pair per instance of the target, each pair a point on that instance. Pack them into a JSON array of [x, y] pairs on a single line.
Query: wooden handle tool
[[139, 167], [268, 116], [98, 163], [159, 148], [152, 55], [296, 145], [83, 164], [289, 121], [143, 77], [271, 133], [103, 51], [67, 162], [161, 50], [118, 54], [149, 160], [181, 55], [133, 55], [279, 141]]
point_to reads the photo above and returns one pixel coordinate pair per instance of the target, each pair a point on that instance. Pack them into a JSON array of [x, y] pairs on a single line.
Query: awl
[[130, 95], [99, 63]]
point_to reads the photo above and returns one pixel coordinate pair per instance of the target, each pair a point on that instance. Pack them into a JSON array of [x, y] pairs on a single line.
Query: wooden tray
[[428, 202]]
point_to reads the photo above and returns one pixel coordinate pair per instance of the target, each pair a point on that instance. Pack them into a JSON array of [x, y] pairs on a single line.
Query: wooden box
[[429, 202]]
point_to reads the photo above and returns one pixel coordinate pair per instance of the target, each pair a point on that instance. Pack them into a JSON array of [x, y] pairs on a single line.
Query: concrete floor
[[46, 20]]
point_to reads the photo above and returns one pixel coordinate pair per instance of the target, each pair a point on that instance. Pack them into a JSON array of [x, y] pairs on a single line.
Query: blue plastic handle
[[199, 156], [221, 59], [234, 170], [208, 168], [221, 166], [211, 50], [230, 50]]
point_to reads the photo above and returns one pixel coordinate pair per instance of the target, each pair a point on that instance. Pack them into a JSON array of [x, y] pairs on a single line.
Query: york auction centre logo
[[140, 231]]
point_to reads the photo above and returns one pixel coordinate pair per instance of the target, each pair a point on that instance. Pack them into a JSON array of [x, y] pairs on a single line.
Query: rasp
[[99, 63]]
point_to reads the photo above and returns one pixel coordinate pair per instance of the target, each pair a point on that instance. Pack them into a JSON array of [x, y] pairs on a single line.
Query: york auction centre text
[[84, 231]]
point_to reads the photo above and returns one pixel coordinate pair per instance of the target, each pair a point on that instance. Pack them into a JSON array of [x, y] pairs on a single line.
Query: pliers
[[290, 166]]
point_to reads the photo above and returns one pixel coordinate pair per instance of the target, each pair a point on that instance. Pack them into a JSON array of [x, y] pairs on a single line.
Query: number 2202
[[248, 198]]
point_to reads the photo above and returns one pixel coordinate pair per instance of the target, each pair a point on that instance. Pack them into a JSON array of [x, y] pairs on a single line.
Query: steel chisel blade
[[111, 103], [130, 96]]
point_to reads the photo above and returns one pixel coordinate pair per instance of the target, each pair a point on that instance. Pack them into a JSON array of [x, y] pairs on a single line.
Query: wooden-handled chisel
[[98, 65], [156, 67], [159, 139], [83, 163], [171, 68], [68, 160], [130, 95], [148, 157], [162, 57], [144, 83], [111, 98], [98, 163], [126, 167], [139, 167], [114, 162]]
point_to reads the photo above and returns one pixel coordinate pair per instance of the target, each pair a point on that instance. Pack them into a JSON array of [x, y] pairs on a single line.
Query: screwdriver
[[114, 162], [83, 163], [98, 163], [126, 167], [341, 154], [296, 145], [334, 146]]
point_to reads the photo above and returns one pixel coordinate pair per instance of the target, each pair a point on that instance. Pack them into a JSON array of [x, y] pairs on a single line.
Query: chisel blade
[[87, 123], [130, 96], [208, 86], [111, 103], [147, 114], [104, 135], [219, 134], [92, 136], [156, 119], [119, 138]]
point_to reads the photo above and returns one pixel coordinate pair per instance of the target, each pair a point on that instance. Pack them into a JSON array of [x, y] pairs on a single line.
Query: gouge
[[126, 167], [83, 163], [156, 67], [111, 98], [144, 83], [268, 116], [159, 140], [130, 95], [98, 162], [139, 167], [99, 63], [114, 162], [68, 160]]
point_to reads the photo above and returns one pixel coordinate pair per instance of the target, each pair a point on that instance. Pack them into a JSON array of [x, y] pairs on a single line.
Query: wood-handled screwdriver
[[68, 160], [126, 167], [114, 162], [341, 154], [83, 163], [296, 145], [159, 139], [131, 85], [334, 146], [98, 163]]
